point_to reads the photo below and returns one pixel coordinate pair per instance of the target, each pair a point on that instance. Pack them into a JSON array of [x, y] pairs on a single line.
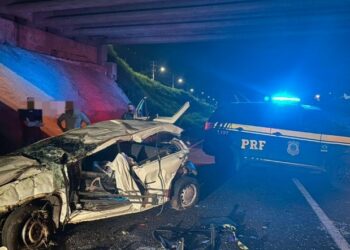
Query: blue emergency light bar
[[285, 99]]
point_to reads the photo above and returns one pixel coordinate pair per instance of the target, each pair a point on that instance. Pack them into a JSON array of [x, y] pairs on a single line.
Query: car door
[[157, 171], [157, 174], [296, 136], [250, 131], [336, 138]]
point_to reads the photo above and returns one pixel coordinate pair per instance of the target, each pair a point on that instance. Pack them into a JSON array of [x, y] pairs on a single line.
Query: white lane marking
[[327, 223]]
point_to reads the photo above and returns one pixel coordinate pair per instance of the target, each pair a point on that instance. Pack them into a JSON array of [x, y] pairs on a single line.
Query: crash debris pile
[[200, 238]]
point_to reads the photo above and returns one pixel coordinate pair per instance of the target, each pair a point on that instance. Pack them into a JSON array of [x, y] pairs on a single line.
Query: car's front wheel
[[186, 193], [27, 227]]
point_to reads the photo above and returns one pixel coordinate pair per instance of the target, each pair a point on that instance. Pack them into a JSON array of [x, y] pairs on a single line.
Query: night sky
[[302, 65]]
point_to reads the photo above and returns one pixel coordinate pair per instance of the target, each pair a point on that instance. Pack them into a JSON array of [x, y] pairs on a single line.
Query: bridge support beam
[[46, 43]]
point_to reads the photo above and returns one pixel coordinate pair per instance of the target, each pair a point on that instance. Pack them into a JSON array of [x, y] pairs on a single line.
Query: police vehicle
[[281, 131]]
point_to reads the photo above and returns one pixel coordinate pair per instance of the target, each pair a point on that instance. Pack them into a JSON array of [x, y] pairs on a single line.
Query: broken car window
[[51, 150]]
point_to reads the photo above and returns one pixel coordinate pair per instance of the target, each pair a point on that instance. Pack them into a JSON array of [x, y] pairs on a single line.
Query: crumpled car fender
[[40, 185], [11, 167]]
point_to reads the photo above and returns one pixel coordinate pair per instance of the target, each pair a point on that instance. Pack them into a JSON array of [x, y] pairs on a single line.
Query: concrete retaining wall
[[52, 69], [51, 82]]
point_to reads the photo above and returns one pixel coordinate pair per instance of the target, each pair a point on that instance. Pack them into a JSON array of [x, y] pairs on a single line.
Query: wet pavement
[[265, 205]]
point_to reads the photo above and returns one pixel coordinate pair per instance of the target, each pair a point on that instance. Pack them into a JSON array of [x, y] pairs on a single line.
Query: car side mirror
[[64, 159]]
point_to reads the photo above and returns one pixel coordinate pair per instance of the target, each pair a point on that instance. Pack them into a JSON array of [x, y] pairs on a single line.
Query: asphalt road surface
[[272, 208]]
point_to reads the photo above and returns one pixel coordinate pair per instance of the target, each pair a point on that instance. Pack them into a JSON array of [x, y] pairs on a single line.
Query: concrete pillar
[[102, 52], [111, 69], [102, 57], [8, 32]]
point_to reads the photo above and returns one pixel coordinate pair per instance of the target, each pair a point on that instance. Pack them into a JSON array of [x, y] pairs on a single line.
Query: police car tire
[[179, 186], [340, 174]]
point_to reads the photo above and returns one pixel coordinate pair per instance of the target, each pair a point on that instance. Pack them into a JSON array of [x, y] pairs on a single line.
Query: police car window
[[313, 121], [337, 124], [286, 117], [256, 115], [247, 113], [226, 113], [299, 119]]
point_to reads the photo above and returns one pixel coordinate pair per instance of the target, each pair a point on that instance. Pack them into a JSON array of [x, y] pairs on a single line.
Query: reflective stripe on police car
[[324, 138]]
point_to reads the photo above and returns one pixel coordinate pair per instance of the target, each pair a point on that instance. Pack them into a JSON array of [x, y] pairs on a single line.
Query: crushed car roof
[[78, 143], [103, 131]]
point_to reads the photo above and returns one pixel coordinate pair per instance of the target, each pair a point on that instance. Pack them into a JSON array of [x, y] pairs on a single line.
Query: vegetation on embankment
[[162, 100]]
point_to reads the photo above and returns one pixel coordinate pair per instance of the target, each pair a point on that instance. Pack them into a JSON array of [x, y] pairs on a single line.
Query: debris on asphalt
[[201, 237], [147, 248]]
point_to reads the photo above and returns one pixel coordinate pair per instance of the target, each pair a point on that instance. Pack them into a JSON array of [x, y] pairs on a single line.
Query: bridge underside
[[154, 21]]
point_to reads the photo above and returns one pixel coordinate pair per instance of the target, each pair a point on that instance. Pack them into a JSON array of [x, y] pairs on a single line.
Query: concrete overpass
[[54, 50], [164, 21]]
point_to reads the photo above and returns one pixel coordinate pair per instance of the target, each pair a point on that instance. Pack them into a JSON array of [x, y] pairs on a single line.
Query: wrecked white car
[[109, 169]]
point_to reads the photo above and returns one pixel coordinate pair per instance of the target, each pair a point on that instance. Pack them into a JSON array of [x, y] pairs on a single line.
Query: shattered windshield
[[52, 150], [77, 143]]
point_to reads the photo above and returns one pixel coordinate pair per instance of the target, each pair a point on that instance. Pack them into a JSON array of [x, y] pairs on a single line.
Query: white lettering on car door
[[253, 144], [261, 145], [245, 143]]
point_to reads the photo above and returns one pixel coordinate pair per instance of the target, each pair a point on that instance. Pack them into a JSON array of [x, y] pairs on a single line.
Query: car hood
[[11, 167]]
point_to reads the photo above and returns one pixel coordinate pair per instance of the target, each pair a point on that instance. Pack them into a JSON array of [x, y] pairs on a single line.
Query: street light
[[162, 69], [179, 80]]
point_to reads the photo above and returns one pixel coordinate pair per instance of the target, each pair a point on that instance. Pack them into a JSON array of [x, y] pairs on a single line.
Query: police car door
[[250, 132], [296, 136], [336, 137]]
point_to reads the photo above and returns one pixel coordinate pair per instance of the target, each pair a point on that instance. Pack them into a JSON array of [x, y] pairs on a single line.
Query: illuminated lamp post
[[180, 80], [162, 69]]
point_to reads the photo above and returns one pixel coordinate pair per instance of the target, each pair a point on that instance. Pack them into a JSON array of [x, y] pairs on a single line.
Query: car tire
[[27, 227], [340, 174], [186, 193]]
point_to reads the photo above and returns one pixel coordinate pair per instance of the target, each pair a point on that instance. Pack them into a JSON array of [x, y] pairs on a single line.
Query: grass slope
[[162, 100]]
